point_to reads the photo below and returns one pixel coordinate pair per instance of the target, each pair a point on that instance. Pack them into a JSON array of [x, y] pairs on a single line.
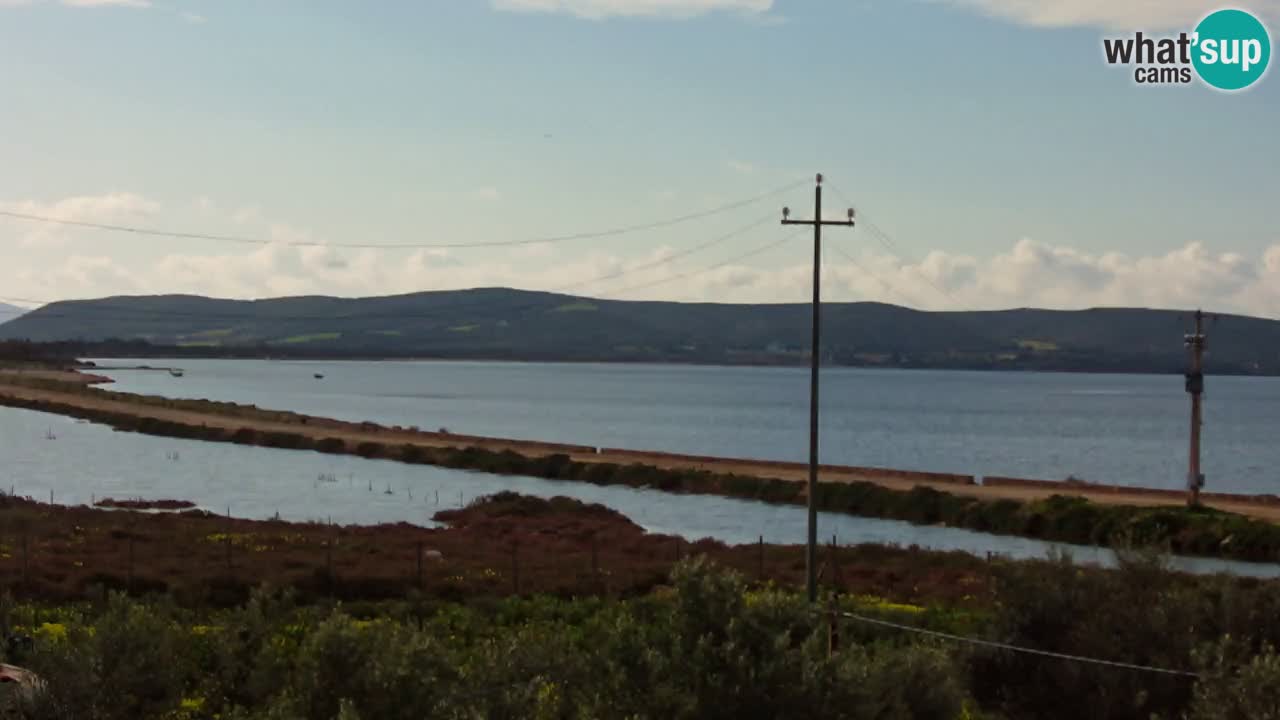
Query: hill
[[498, 323], [9, 312]]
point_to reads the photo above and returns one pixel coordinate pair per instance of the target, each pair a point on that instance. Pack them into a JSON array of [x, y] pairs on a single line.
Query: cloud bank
[[600, 9], [1151, 15], [43, 262]]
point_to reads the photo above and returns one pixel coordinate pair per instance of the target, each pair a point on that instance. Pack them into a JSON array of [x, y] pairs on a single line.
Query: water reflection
[[79, 462]]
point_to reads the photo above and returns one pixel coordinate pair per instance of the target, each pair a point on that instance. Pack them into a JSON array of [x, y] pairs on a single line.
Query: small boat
[[48, 435], [318, 376], [175, 372]]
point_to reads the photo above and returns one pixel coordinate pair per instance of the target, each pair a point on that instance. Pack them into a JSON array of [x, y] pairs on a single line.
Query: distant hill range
[[520, 325], [9, 312]]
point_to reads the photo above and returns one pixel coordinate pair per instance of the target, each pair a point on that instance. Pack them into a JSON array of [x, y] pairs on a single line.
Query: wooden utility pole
[[815, 355], [1195, 386]]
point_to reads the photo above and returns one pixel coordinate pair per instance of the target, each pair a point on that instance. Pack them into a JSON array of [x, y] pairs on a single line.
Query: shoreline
[[1265, 507], [667, 363], [1007, 506]]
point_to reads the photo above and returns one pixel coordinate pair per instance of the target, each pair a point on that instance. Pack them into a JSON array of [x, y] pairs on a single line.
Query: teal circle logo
[[1232, 49]]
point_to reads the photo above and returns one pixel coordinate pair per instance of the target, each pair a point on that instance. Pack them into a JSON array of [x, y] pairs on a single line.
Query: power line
[[670, 258], [866, 271], [612, 232], [711, 268], [442, 311], [892, 246], [1016, 648]]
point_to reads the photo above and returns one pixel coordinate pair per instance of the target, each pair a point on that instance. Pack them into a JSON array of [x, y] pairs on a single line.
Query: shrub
[[245, 436], [331, 445]]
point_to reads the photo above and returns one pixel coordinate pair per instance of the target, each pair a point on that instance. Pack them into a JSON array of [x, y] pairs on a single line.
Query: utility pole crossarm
[[842, 223], [815, 356]]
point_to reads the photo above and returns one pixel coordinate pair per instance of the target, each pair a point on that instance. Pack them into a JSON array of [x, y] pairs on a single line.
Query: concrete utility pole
[[1195, 386], [815, 353]]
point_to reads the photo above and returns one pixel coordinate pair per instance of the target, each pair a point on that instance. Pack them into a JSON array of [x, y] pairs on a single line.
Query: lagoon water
[[1118, 429], [80, 462]]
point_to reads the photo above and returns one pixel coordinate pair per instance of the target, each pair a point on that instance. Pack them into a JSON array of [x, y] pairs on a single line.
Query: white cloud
[[107, 3], [1027, 274], [599, 9], [116, 207], [81, 3], [1151, 15]]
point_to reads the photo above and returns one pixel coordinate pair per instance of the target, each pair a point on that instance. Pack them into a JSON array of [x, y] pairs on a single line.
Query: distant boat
[[319, 376], [48, 435], [175, 372]]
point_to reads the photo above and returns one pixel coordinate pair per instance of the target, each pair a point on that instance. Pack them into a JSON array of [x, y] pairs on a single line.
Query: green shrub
[[331, 445]]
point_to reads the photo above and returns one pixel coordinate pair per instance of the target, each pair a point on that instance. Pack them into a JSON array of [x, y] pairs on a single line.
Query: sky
[[993, 158]]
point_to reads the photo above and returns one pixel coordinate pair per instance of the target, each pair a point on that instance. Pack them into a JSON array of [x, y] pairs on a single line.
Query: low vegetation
[[500, 545], [707, 643], [139, 504]]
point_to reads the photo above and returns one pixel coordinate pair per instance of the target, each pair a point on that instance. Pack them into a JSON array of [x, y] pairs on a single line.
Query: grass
[[1038, 345], [313, 337], [575, 307]]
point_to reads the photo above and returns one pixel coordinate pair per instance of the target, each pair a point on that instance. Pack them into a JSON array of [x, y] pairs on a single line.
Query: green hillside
[[512, 324]]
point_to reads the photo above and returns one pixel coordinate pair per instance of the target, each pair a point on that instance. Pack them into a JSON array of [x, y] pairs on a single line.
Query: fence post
[[328, 564], [515, 569], [419, 564], [130, 585], [25, 566], [595, 559], [833, 627]]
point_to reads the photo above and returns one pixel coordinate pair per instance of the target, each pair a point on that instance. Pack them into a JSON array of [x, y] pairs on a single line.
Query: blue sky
[[1006, 162]]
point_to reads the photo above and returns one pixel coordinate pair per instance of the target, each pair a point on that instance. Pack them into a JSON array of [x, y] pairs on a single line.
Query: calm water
[[85, 462], [1121, 429]]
